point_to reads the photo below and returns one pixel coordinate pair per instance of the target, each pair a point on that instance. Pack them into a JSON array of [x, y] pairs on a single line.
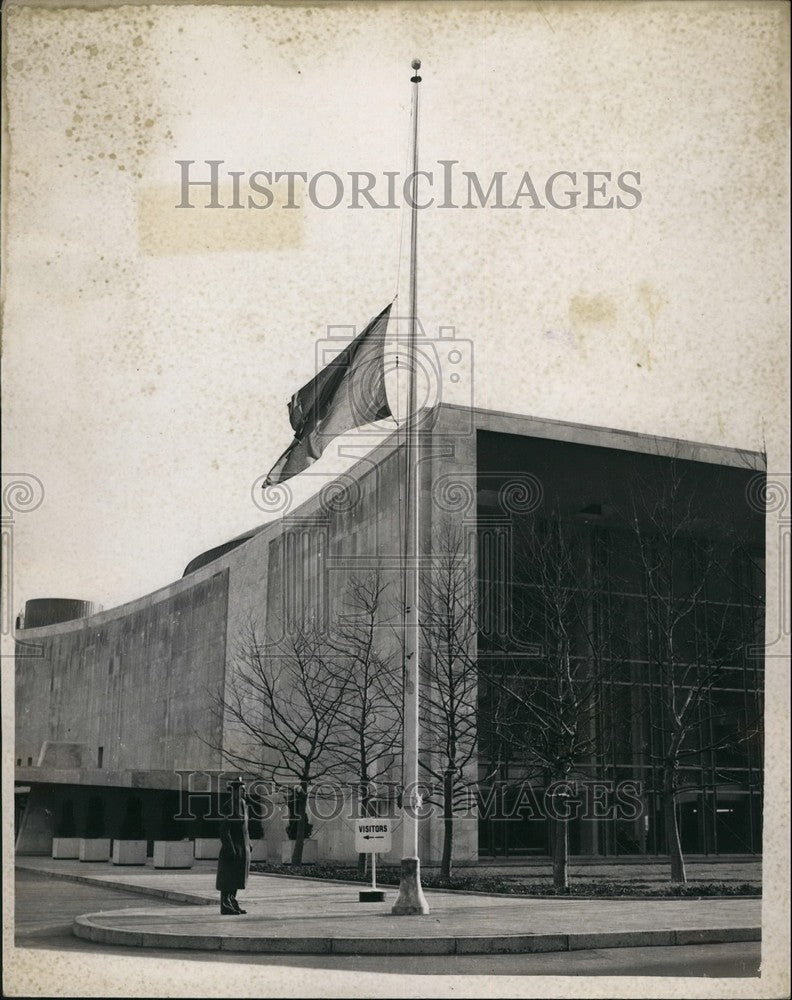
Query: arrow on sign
[[373, 836]]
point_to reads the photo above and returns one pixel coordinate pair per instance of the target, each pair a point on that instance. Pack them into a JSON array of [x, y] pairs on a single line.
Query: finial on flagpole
[[416, 65]]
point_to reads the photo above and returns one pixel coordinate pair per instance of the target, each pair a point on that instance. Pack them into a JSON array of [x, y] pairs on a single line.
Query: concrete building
[[114, 707]]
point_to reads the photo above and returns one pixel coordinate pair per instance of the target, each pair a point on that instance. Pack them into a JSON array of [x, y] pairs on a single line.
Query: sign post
[[372, 836]]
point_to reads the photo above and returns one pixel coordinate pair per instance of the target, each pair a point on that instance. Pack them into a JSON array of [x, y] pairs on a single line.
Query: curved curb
[[85, 927], [172, 895]]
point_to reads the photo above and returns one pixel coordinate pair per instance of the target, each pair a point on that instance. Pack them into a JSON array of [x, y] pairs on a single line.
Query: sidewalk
[[309, 917]]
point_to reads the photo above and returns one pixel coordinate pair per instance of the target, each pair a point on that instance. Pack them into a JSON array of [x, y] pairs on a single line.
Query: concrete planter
[[258, 850], [65, 847], [309, 854], [207, 848], [94, 849], [129, 852], [173, 854]]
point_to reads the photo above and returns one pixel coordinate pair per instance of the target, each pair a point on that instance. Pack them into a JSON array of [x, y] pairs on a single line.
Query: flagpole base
[[411, 899], [371, 896]]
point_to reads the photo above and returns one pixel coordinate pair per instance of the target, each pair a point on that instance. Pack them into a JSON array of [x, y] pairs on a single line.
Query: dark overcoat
[[233, 863]]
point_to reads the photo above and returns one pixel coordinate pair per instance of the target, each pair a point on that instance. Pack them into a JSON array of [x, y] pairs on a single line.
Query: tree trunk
[[448, 823], [297, 850], [673, 840], [301, 801], [560, 855], [560, 834]]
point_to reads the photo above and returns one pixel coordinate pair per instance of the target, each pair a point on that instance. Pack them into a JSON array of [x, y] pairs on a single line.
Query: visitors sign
[[372, 835]]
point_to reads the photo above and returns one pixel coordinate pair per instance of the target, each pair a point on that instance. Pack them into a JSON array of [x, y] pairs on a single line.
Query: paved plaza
[[304, 916]]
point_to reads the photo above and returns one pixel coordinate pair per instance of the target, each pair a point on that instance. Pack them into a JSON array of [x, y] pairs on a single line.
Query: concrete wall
[[133, 682], [301, 565]]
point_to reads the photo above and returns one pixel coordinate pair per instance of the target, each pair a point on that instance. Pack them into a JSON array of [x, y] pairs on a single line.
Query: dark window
[[30, 762], [19, 762], [100, 757]]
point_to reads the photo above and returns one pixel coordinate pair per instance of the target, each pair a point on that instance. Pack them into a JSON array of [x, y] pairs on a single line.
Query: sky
[[149, 351]]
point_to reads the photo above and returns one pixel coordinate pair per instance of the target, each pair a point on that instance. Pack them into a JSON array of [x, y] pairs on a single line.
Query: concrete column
[[38, 823]]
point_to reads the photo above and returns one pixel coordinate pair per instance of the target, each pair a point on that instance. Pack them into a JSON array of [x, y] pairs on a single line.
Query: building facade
[[119, 711]]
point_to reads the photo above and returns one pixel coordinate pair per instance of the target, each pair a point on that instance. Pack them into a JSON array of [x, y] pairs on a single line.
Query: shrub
[[388, 875]]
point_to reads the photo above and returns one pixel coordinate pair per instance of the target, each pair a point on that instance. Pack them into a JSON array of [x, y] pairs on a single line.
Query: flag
[[349, 392]]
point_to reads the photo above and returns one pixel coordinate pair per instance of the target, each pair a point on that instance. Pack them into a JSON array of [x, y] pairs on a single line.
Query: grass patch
[[521, 885]]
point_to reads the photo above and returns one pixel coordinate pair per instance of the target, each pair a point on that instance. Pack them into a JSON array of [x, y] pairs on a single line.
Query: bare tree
[[703, 608], [549, 701], [449, 698], [285, 701], [371, 713]]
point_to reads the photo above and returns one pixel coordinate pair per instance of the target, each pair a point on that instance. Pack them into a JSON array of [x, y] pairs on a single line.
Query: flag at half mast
[[349, 392]]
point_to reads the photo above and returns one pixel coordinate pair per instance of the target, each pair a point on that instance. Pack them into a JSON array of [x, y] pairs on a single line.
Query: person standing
[[233, 863]]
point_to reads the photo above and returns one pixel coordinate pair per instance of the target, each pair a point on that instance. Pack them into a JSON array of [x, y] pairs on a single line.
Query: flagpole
[[411, 899]]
